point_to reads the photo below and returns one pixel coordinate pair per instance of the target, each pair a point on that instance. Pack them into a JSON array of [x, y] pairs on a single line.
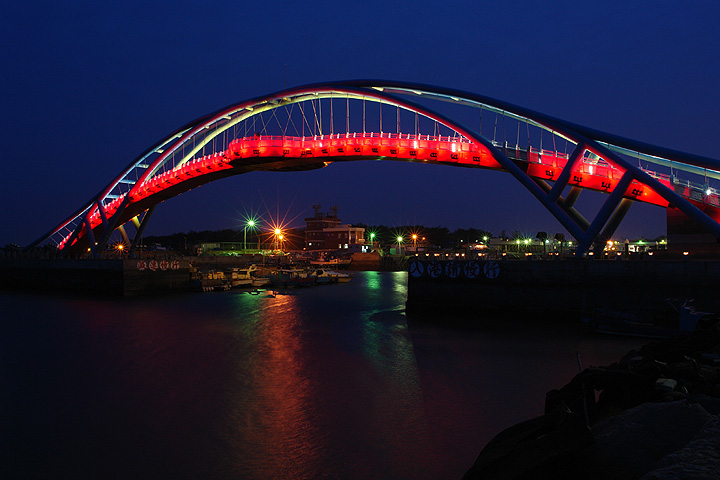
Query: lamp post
[[399, 242], [251, 224], [278, 233], [414, 238], [372, 240]]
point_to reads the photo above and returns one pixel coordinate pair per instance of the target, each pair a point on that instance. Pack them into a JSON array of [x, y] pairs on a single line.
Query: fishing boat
[[326, 275], [284, 277], [209, 281], [333, 262], [326, 261], [238, 277]]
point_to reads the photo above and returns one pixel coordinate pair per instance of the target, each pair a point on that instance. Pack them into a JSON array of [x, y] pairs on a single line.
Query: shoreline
[[653, 414]]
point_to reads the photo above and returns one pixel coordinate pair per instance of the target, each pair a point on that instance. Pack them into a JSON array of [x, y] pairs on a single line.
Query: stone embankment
[[653, 415]]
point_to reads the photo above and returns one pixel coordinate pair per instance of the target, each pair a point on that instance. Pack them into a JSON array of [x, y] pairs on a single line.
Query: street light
[[414, 237], [372, 240], [250, 223], [399, 242], [278, 234]]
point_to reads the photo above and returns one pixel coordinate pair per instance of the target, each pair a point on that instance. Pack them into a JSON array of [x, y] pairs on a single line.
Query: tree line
[[294, 238]]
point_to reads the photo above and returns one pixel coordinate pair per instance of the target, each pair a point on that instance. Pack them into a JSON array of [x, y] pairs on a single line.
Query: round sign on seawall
[[491, 269], [452, 269], [434, 269], [416, 269], [141, 265], [174, 265], [471, 269], [164, 264], [153, 265]]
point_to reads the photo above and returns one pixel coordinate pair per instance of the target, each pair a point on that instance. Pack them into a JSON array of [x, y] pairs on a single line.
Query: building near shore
[[326, 232]]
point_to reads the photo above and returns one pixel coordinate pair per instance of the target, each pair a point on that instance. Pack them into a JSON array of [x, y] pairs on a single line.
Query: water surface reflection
[[328, 382]]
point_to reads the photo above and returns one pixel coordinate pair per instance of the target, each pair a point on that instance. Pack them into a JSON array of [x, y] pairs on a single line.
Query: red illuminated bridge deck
[[243, 155], [594, 174]]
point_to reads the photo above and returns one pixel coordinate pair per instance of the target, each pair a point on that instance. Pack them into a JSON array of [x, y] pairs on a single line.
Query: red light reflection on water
[[271, 411]]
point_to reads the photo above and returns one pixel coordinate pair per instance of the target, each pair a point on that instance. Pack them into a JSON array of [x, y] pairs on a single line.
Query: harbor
[[157, 276]]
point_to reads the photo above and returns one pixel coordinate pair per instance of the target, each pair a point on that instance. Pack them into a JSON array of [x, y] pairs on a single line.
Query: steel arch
[[605, 146]]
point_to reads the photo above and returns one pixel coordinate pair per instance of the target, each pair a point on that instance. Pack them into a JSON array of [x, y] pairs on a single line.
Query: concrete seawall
[[115, 277], [558, 288]]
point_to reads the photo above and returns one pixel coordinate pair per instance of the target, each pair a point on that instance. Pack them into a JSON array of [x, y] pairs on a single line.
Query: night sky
[[87, 86]]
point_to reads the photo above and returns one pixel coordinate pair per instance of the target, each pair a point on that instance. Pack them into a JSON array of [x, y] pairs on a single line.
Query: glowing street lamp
[[278, 237], [414, 238], [371, 239], [399, 242], [250, 223]]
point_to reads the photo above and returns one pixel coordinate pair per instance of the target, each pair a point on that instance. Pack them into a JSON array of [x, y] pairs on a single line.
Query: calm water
[[328, 382]]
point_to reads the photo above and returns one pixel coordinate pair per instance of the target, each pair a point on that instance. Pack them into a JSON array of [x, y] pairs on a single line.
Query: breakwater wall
[[117, 277], [562, 289]]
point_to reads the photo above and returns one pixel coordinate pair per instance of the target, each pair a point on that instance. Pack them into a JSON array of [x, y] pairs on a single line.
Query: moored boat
[[326, 275], [283, 277], [238, 277], [209, 281]]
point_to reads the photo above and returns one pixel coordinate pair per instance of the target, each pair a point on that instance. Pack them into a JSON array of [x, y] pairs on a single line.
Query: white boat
[[209, 281], [260, 281], [238, 277], [245, 277], [325, 275]]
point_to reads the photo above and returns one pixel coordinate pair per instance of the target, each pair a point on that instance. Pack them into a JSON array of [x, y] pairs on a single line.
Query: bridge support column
[[604, 214], [615, 220], [90, 235], [141, 226], [567, 204], [109, 226], [564, 176], [123, 234], [572, 197]]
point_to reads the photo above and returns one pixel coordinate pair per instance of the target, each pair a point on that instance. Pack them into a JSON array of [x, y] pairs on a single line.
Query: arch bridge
[[312, 126]]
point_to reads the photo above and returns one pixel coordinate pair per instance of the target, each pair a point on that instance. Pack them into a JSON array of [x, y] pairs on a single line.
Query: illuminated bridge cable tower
[[295, 129]]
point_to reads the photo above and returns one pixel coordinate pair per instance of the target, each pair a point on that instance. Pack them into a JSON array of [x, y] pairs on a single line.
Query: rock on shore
[[657, 416]]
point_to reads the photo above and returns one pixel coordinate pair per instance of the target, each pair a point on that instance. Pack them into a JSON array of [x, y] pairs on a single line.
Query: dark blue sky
[[87, 86]]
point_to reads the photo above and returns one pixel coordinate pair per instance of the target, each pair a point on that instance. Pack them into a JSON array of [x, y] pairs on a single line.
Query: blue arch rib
[[591, 139]]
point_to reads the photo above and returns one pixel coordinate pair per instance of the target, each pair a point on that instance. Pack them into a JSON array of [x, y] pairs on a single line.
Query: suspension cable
[[397, 129], [332, 120], [363, 116]]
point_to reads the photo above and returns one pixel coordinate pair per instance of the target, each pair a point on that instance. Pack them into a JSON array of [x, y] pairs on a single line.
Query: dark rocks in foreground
[[657, 417]]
